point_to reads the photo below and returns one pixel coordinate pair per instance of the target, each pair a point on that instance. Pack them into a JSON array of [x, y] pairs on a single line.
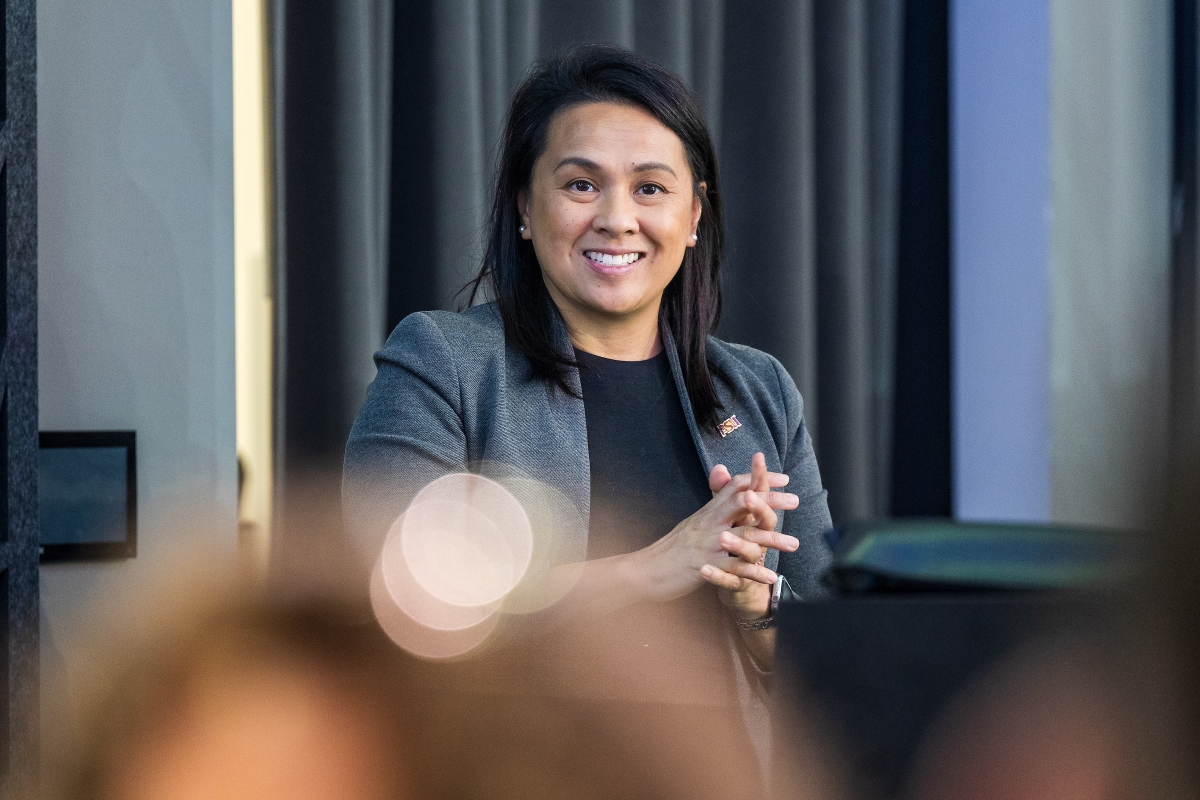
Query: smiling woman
[[593, 374]]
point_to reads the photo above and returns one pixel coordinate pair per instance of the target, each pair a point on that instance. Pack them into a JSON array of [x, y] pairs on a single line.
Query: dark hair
[[691, 303]]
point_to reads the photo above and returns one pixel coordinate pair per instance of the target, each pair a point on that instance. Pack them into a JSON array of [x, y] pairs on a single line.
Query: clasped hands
[[726, 541]]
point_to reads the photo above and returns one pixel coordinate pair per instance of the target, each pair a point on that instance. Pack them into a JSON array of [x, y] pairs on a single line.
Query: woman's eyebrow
[[588, 164], [652, 166], [579, 161]]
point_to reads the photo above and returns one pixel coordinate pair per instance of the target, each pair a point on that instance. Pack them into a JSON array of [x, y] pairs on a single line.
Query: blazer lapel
[[740, 442]]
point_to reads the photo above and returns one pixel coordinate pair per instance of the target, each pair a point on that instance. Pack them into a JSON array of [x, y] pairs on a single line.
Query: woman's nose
[[616, 215]]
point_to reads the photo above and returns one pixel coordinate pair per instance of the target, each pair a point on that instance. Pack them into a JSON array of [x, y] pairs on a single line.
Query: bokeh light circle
[[414, 599], [419, 639], [466, 540]]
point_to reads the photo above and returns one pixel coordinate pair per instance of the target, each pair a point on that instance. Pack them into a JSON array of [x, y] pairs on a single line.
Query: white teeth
[[611, 260]]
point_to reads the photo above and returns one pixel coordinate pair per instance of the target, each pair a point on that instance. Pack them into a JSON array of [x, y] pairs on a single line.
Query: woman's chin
[[621, 309]]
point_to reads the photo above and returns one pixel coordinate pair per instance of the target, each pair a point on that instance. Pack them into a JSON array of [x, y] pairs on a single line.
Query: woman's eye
[[581, 186], [651, 189]]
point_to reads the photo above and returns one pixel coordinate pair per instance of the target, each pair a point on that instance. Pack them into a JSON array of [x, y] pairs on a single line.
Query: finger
[[780, 501], [731, 495], [758, 473], [777, 500], [718, 478], [771, 539], [744, 549], [750, 572], [737, 483], [757, 507], [720, 578], [775, 480]]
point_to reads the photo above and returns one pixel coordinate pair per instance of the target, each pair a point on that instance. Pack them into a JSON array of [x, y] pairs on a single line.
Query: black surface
[[646, 475], [98, 550], [878, 670], [921, 452]]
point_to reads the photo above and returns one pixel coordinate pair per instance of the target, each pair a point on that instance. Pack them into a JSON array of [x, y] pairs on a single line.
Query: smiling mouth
[[610, 260]]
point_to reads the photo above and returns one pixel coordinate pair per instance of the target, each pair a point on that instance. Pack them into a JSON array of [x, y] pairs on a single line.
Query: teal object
[[942, 554]]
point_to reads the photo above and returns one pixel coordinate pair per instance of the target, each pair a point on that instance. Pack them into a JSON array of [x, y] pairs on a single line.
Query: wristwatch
[[767, 622]]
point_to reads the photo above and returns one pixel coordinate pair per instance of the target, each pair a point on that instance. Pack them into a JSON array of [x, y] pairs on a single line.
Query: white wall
[[135, 271], [1001, 307], [1061, 198], [1110, 156]]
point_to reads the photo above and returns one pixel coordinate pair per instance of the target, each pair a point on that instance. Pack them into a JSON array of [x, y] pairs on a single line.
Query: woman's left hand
[[740, 577]]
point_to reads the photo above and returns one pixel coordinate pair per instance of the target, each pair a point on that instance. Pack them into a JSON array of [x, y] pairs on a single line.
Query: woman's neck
[[623, 339]]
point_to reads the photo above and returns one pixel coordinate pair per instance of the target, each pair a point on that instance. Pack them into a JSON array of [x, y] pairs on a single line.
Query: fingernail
[[706, 571]]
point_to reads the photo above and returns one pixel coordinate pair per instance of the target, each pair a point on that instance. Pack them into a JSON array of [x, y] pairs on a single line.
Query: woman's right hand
[[670, 568]]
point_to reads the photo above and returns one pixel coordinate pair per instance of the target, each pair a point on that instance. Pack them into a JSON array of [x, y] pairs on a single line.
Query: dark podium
[[919, 612]]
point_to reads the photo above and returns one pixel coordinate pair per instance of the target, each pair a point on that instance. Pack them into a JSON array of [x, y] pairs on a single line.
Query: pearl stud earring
[[695, 237], [521, 229]]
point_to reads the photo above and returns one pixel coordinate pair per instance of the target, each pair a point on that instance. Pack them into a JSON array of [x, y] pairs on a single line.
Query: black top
[[646, 474], [646, 477]]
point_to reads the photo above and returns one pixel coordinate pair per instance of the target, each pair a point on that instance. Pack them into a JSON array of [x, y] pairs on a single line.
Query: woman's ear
[[697, 209], [523, 211]]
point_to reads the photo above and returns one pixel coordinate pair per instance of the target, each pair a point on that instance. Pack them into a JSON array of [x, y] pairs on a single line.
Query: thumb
[[718, 478]]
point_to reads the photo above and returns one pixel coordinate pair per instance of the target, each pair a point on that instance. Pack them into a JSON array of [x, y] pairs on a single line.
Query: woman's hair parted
[[692, 301]]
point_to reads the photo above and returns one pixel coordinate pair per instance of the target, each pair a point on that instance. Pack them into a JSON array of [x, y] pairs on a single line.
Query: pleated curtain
[[803, 97]]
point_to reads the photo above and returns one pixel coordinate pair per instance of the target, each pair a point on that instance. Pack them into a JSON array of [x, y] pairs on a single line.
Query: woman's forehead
[[613, 136]]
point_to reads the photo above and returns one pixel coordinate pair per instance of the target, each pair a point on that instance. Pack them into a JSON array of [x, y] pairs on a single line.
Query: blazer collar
[[733, 450], [668, 342]]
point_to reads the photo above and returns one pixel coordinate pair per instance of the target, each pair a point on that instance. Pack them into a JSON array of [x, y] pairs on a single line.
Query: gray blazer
[[451, 396]]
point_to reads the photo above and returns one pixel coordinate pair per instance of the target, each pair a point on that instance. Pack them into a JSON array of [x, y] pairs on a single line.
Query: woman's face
[[610, 210]]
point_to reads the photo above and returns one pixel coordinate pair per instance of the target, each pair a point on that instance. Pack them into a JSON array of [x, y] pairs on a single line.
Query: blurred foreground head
[[300, 694], [258, 700]]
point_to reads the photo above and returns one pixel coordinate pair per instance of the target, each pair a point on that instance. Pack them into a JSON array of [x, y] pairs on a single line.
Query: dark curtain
[[332, 118], [1185, 255], [831, 121]]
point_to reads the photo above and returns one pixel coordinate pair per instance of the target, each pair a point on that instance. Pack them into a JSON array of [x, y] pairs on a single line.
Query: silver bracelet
[[761, 624]]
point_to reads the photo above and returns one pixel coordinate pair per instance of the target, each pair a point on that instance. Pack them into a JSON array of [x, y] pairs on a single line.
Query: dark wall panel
[[18, 365], [411, 254], [921, 455], [1185, 254], [313, 356]]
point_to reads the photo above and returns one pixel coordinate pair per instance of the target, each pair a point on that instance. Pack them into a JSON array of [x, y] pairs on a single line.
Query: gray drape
[[332, 121], [803, 98]]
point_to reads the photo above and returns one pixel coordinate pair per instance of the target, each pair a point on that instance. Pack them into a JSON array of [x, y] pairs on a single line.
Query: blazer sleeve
[[408, 433], [811, 519]]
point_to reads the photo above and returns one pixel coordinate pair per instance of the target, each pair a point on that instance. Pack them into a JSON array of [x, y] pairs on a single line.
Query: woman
[[593, 370]]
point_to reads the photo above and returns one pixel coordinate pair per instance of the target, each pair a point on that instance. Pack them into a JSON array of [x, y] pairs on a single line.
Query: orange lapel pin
[[728, 426]]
